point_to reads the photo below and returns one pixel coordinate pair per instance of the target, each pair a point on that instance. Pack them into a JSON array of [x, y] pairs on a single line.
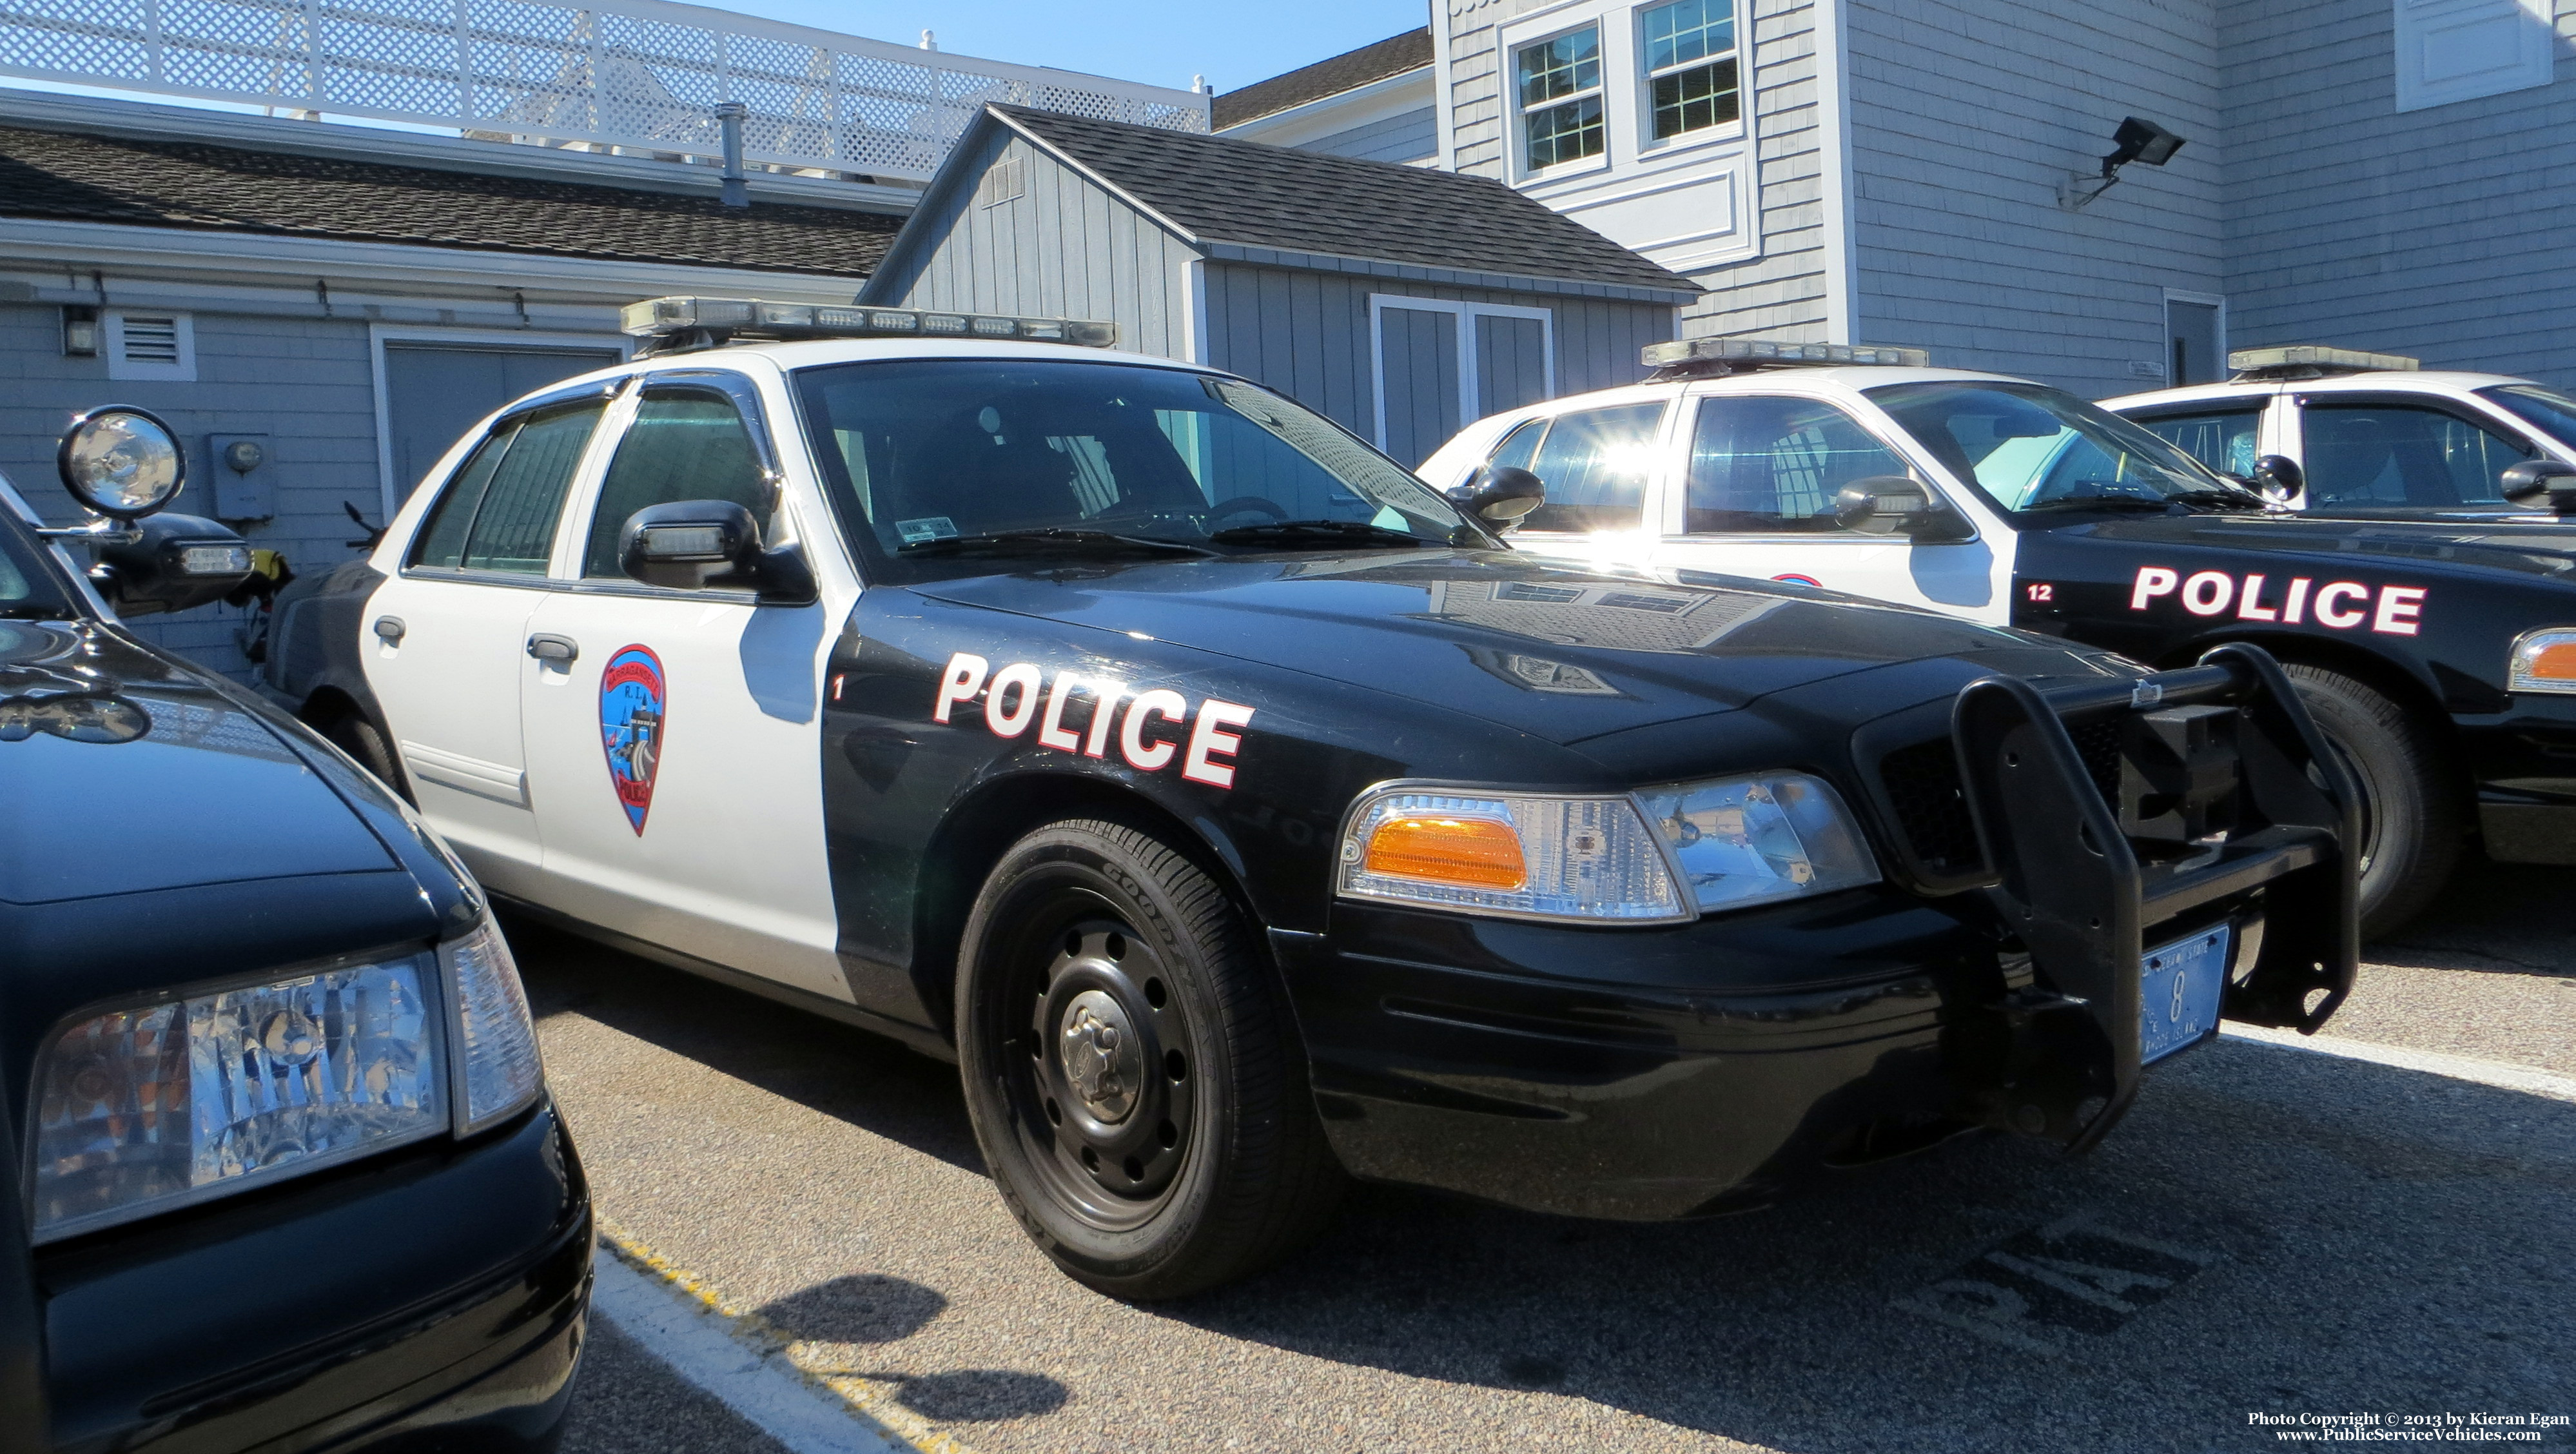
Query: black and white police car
[[285, 1168], [2439, 655], [2342, 432], [1241, 814]]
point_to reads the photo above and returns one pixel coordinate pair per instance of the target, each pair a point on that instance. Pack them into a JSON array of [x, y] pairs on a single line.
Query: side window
[[1594, 463], [2222, 440], [2399, 454], [1775, 465], [499, 512], [1520, 447], [683, 445]]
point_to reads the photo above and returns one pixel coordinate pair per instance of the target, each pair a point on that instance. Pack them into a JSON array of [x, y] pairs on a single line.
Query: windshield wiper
[[1050, 537], [1345, 532], [2222, 499], [2157, 503], [34, 611]]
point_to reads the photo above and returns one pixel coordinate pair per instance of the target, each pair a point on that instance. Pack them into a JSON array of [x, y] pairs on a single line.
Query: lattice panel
[[642, 73]]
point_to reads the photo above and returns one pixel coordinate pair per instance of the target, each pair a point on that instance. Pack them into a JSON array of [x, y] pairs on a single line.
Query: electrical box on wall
[[239, 470]]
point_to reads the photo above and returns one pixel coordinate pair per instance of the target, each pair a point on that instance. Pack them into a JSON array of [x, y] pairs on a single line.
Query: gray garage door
[[436, 391]]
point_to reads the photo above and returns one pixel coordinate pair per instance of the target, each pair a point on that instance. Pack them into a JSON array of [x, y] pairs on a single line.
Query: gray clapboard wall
[[2448, 233], [1411, 137], [1965, 115], [1019, 232]]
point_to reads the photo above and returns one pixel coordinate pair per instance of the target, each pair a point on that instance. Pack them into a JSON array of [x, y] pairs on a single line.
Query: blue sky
[[1161, 42]]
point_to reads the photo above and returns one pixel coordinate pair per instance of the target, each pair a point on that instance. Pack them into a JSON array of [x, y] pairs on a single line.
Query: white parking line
[[2496, 1073], [697, 1341]]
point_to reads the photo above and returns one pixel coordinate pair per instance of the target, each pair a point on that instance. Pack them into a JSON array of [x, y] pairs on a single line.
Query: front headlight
[[1662, 855], [144, 1109], [2543, 661]]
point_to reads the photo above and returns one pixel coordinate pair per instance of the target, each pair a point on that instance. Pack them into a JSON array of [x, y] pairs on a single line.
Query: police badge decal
[[632, 702]]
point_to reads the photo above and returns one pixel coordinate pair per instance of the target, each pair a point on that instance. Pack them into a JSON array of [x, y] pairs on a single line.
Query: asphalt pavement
[[2274, 1233]]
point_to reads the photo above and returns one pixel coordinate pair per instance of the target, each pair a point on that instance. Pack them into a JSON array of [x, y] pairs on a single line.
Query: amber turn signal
[[2555, 662], [1470, 853]]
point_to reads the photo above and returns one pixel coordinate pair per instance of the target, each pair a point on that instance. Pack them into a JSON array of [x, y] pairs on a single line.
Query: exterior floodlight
[[2137, 140]]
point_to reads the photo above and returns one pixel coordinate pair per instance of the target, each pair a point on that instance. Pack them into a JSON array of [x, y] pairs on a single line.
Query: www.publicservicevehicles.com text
[[2442, 1428]]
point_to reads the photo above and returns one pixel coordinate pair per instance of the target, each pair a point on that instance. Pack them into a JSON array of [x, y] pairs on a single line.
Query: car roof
[[1757, 381], [2374, 381], [807, 353]]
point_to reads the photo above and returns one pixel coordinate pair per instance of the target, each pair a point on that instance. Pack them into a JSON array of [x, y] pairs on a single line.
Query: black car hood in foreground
[[1560, 652], [207, 793]]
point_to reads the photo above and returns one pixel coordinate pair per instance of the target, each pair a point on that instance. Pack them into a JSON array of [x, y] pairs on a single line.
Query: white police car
[[1241, 813], [2339, 431], [2425, 645]]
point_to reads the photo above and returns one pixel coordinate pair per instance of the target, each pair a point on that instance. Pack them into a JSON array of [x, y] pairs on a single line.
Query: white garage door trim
[[390, 492], [1467, 314]]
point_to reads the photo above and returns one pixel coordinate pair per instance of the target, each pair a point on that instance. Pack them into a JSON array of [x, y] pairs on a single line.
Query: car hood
[[2537, 549], [1561, 652], [125, 773]]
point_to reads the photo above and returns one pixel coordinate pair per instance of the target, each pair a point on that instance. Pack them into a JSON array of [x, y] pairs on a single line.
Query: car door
[[1759, 473], [444, 634], [2369, 452], [674, 736]]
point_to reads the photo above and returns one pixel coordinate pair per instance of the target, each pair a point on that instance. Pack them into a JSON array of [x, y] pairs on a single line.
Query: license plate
[[2179, 985]]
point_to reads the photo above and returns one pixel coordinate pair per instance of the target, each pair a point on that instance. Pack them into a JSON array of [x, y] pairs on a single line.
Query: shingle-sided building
[[1400, 301]]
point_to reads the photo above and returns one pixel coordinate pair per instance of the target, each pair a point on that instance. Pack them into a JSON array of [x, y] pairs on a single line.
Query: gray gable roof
[[1331, 76], [1271, 204]]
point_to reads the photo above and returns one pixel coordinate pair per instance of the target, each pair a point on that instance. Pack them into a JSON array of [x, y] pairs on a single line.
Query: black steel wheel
[[1134, 1078], [2412, 813]]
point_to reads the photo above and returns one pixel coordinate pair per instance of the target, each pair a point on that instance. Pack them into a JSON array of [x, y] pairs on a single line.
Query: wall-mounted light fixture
[[2135, 141], [80, 331]]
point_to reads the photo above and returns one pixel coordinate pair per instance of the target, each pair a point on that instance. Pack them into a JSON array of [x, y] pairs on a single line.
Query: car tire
[[1132, 1071], [2412, 815], [353, 734]]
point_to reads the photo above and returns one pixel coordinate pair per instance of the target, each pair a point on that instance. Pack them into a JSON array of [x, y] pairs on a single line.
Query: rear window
[[499, 511]]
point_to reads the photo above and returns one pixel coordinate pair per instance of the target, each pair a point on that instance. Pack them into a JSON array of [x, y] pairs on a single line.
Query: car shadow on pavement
[[2273, 1231], [868, 1080], [2508, 918]]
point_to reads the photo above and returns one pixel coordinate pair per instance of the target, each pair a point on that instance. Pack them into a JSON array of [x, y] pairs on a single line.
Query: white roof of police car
[[2367, 381], [807, 353]]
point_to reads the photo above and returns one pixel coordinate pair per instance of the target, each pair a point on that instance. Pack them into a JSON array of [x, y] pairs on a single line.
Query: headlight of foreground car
[[145, 1109], [1661, 855], [2544, 661]]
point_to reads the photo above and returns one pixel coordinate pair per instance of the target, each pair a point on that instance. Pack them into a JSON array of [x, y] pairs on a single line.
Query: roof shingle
[[238, 189], [1331, 76], [1222, 189]]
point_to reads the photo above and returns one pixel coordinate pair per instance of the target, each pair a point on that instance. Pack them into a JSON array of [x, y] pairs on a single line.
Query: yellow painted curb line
[[874, 1397]]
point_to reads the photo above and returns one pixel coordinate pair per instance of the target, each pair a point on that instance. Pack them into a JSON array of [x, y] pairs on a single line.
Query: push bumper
[[435, 1300], [1657, 1073]]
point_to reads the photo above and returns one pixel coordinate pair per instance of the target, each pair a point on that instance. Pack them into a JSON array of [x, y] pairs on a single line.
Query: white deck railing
[[638, 74]]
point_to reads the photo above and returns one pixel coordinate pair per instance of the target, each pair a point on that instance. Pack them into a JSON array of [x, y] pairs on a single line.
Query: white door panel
[[1964, 578], [450, 693]]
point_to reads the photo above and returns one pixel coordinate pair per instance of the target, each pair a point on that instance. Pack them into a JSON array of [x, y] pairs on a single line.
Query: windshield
[[2547, 410], [2028, 446], [28, 590], [925, 455]]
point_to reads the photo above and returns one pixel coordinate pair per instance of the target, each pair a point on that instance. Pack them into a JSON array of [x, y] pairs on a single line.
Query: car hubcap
[[1109, 1085]]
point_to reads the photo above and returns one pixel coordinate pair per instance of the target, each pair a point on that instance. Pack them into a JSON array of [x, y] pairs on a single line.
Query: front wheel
[[2411, 815], [1134, 1079]]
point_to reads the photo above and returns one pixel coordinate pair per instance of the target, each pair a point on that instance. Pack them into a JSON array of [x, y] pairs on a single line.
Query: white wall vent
[[152, 344], [1003, 183], [2459, 50]]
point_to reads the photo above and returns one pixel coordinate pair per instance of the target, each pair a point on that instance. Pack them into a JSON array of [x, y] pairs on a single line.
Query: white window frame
[[1524, 169], [1466, 314], [1650, 144], [182, 370], [2527, 58], [380, 334]]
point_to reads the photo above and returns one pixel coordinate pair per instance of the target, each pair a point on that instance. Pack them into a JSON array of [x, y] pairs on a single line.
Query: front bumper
[[2525, 763], [1668, 1072], [434, 1299]]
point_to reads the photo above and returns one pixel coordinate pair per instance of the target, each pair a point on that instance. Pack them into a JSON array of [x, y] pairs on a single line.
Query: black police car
[[2439, 655], [282, 1143], [1240, 812]]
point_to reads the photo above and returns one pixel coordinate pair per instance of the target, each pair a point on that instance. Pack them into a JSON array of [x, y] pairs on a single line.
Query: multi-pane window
[[1690, 62], [1560, 91]]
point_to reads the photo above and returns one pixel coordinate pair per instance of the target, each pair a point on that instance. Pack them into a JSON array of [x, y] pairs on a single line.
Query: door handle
[[560, 650], [389, 630]]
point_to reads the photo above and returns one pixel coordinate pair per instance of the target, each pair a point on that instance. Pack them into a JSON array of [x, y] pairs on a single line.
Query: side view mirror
[[169, 563], [2279, 478], [690, 545], [1499, 495], [2528, 482], [121, 462], [1897, 505]]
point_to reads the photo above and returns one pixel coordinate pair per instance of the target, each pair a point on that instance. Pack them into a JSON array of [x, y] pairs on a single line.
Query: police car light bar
[[2307, 360], [1738, 355], [692, 322]]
